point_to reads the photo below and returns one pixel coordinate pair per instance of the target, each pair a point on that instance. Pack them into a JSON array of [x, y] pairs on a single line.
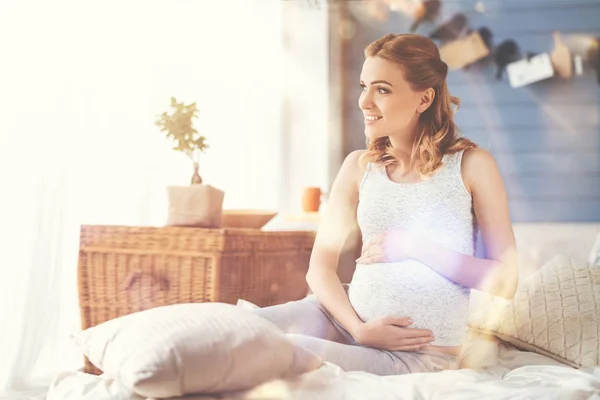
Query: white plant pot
[[195, 205]]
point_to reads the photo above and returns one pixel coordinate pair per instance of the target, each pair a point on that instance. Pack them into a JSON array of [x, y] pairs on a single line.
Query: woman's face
[[390, 107]]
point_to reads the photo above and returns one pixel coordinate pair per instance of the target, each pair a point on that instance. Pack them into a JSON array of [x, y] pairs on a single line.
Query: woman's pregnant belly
[[411, 289]]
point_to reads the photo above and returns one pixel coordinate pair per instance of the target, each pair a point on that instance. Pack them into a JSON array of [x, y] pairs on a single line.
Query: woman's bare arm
[[498, 273], [338, 221]]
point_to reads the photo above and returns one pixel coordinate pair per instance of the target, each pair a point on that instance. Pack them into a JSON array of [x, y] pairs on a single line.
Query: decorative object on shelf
[[593, 57], [465, 51], [527, 71], [488, 38], [585, 49], [561, 58], [179, 128], [507, 52], [247, 219], [452, 29], [427, 10], [311, 199]]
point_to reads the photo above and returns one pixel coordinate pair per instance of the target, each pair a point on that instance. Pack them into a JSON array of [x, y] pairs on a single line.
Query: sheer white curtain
[[81, 84]]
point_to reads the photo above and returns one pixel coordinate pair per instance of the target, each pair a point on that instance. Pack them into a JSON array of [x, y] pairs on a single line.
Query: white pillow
[[193, 348]]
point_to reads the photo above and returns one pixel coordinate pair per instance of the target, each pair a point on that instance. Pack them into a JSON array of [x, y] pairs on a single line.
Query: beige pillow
[[193, 348], [555, 312]]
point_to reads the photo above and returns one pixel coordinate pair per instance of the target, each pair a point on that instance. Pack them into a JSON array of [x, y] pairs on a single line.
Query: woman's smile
[[371, 119]]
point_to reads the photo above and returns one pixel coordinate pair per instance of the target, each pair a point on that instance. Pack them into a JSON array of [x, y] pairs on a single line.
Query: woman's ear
[[426, 99]]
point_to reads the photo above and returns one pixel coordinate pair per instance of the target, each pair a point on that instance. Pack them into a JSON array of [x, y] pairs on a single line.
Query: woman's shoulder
[[355, 160], [354, 165], [476, 157], [356, 155], [477, 164]]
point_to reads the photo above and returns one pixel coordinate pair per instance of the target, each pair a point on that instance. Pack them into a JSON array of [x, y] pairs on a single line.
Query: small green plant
[[179, 128]]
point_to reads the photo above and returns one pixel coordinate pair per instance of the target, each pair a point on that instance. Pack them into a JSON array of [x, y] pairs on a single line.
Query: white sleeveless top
[[439, 208]]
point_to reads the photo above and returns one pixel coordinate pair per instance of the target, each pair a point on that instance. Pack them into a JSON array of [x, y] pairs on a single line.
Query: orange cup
[[311, 199]]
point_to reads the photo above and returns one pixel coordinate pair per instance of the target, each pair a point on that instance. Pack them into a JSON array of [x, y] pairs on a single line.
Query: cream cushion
[[193, 348], [538, 243], [555, 312]]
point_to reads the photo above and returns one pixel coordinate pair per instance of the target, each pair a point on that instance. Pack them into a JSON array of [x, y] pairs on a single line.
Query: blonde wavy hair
[[419, 59]]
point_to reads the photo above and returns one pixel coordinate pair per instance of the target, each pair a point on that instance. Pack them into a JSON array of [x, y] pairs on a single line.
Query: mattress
[[517, 375]]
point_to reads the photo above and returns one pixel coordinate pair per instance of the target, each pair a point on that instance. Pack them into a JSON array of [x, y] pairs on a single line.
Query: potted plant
[[197, 204], [179, 128]]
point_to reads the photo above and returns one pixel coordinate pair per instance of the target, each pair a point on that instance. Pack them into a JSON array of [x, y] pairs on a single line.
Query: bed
[[507, 373], [518, 375]]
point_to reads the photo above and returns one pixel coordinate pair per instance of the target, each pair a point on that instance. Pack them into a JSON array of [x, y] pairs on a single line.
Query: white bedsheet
[[519, 375]]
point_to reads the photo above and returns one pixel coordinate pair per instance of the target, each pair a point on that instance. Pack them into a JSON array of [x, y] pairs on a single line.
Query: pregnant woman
[[419, 193]]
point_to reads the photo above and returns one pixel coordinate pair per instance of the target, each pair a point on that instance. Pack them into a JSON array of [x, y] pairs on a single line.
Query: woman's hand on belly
[[392, 334], [394, 245]]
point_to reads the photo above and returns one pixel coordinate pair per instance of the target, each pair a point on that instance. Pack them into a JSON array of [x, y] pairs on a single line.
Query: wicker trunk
[[127, 269]]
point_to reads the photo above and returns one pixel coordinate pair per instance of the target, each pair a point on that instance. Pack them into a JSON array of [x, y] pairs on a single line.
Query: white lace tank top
[[439, 208]]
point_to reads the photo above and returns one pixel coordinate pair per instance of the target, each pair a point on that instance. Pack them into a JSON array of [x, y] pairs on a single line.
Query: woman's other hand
[[392, 334], [393, 245]]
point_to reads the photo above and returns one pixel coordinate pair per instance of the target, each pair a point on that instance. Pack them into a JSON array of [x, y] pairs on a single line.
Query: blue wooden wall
[[545, 137]]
